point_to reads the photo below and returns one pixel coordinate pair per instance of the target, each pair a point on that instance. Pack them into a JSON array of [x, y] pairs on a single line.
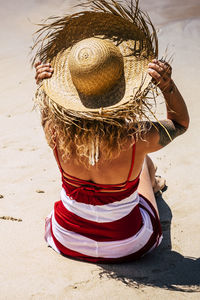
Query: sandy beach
[[30, 179]]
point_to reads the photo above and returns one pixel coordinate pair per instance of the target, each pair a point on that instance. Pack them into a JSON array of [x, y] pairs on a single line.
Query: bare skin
[[42, 71], [115, 171]]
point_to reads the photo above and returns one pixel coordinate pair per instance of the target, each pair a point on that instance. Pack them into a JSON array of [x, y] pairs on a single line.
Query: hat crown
[[95, 66]]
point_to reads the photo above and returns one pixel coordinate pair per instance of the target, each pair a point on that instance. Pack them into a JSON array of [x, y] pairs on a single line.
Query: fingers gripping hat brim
[[127, 28]]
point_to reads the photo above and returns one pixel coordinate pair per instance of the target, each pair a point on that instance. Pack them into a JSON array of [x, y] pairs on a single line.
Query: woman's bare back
[[108, 172]]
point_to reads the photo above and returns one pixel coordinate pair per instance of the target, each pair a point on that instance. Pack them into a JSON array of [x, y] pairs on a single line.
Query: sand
[[30, 180]]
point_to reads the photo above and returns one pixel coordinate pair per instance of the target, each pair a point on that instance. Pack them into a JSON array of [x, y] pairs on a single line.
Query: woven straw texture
[[129, 30]]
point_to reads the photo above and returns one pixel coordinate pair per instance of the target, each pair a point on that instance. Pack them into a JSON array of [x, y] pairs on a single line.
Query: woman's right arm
[[177, 121]]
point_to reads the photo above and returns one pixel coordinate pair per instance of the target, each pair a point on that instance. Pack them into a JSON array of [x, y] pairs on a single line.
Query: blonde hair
[[88, 140]]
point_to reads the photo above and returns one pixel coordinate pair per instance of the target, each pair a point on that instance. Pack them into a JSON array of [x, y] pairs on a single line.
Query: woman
[[107, 211]]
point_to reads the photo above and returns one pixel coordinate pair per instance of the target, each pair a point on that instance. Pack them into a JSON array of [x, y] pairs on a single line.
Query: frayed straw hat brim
[[61, 89], [128, 28]]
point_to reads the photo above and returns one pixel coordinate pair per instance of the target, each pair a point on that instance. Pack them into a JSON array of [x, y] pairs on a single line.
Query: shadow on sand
[[162, 268]]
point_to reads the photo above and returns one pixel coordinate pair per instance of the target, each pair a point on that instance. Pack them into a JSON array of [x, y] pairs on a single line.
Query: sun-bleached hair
[[88, 140]]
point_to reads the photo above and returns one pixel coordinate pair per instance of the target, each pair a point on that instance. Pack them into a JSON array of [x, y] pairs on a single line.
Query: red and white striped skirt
[[111, 232]]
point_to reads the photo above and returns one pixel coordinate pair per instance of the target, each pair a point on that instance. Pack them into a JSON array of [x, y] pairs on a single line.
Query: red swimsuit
[[102, 222]]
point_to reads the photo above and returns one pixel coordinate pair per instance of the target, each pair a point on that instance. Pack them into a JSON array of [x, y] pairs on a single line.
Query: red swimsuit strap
[[55, 151], [132, 163], [77, 181]]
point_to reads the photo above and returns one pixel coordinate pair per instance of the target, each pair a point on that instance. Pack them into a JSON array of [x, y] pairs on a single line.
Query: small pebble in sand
[[1, 196], [40, 191]]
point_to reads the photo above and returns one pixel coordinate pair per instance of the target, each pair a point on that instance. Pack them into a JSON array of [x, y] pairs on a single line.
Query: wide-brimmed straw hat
[[100, 58]]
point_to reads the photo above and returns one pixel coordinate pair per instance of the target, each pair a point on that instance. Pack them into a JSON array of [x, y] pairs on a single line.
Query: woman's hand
[[177, 118], [42, 71], [161, 73]]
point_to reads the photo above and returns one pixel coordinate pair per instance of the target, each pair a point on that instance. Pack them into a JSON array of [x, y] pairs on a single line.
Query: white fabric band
[[101, 213], [113, 249]]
